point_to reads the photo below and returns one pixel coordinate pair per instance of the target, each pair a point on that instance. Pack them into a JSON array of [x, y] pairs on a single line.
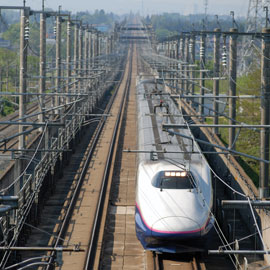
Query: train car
[[174, 193]]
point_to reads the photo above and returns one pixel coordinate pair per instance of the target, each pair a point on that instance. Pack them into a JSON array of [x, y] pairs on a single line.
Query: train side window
[[173, 180]]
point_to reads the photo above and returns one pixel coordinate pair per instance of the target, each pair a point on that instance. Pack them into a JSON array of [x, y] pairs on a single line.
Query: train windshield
[[173, 180]]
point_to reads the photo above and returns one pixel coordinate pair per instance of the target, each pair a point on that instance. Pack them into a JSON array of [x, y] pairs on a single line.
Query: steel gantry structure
[[175, 70], [68, 92]]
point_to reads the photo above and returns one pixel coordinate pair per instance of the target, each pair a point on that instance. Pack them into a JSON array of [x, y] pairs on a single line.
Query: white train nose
[[176, 224]]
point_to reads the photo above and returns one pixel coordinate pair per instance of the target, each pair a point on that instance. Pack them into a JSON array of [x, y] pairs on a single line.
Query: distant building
[[102, 27]]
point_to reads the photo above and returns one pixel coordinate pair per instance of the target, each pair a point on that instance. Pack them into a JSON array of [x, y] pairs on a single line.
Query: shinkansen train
[[174, 193]]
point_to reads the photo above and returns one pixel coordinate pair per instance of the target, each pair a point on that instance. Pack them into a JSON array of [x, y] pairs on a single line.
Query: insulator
[[68, 29], [181, 46], [26, 32], [190, 47], [54, 30], [202, 51], [224, 56]]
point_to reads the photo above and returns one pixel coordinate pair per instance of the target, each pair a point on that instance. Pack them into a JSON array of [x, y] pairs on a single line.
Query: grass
[[7, 109], [248, 111]]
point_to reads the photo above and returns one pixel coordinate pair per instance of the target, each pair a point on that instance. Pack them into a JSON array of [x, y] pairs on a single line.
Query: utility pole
[[98, 43], [86, 50], [174, 50], [24, 36], [216, 74], [177, 50], [186, 68], [85, 66], [68, 57], [93, 44], [42, 63], [192, 59], [80, 52], [91, 55], [58, 62], [182, 53], [89, 70], [169, 49], [232, 85], [75, 55], [89, 51], [176, 76], [202, 74], [108, 44], [265, 113], [23, 70]]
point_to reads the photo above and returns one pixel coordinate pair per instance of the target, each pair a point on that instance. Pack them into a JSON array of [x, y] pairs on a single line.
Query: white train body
[[174, 190]]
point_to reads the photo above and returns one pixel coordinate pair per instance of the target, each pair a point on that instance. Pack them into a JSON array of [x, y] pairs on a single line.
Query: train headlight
[[183, 174], [176, 174]]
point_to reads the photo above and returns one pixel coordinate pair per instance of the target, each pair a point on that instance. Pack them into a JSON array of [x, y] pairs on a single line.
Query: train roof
[[155, 107]]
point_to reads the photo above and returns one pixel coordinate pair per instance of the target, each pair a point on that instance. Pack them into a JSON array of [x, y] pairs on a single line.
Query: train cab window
[[173, 180]]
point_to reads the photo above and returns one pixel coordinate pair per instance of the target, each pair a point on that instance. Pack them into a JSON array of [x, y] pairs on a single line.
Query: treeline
[[9, 77], [9, 18], [98, 17], [9, 58], [168, 24], [12, 32]]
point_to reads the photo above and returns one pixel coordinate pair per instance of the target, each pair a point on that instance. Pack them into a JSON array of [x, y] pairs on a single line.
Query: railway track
[[93, 203], [100, 170], [91, 208], [110, 160], [119, 247], [70, 206]]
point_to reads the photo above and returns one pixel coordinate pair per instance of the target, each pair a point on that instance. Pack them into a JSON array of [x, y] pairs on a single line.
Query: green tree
[[13, 34]]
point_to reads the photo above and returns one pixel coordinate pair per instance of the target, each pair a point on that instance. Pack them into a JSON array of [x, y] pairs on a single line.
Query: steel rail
[[95, 232], [68, 214]]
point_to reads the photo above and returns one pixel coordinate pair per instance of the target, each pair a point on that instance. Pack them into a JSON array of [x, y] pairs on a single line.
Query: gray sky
[[148, 6]]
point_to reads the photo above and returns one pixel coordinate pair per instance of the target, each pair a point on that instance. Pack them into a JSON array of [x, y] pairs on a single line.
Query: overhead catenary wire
[[220, 114], [219, 230], [77, 122], [4, 190], [26, 261], [216, 225], [50, 234], [245, 237], [258, 229], [251, 208]]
